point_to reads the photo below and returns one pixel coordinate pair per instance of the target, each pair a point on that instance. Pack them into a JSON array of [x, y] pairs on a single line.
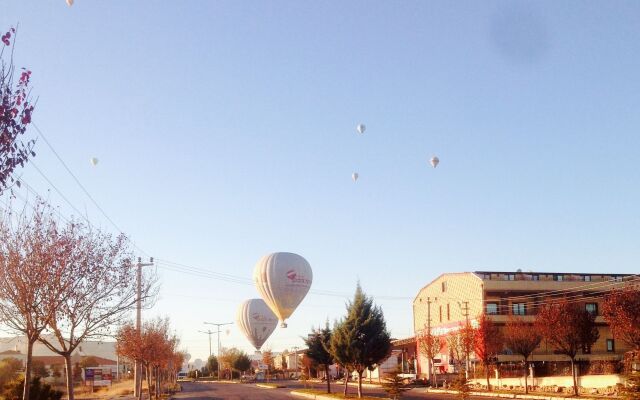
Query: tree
[[228, 356], [431, 346], [620, 310], [155, 348], [361, 340], [522, 339], [34, 278], [89, 361], [100, 295], [487, 344], [568, 327], [318, 349], [394, 385], [212, 364], [39, 369], [267, 359], [242, 362], [16, 109]]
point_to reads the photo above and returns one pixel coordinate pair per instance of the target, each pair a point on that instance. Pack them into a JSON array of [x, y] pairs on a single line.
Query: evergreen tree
[[361, 340], [318, 349]]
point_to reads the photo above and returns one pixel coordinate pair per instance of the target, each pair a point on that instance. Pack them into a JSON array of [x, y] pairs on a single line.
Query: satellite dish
[[93, 161], [354, 176], [283, 280], [434, 161], [256, 321], [361, 128]]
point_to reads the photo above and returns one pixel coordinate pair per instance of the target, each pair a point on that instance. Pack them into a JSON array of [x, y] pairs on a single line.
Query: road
[[240, 391]]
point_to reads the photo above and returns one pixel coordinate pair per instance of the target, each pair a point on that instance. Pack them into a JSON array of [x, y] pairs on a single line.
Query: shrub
[[38, 390]]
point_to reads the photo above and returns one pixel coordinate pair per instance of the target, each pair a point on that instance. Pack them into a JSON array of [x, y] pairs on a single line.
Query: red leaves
[[620, 310]]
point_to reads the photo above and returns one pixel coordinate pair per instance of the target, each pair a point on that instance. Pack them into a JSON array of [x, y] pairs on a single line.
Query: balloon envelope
[[361, 128], [434, 161], [69, 3], [256, 321], [354, 176], [283, 280], [93, 161]]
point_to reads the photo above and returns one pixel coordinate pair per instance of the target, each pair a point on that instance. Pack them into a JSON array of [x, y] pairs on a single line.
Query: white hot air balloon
[[434, 161], [93, 161], [361, 128], [256, 321], [283, 279], [69, 3], [354, 176]]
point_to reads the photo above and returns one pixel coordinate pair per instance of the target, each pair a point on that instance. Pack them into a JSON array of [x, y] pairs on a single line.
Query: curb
[[511, 395], [267, 386], [319, 396]]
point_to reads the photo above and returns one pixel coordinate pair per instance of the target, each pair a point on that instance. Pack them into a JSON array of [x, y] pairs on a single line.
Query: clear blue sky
[[226, 130]]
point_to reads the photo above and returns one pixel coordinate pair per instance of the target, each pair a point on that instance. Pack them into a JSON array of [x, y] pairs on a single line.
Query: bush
[[38, 390]]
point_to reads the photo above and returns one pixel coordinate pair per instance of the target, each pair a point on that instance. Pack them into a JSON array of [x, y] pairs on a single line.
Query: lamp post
[[218, 332]]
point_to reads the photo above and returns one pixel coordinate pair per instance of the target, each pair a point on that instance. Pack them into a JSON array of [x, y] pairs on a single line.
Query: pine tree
[[394, 385], [318, 349], [361, 340]]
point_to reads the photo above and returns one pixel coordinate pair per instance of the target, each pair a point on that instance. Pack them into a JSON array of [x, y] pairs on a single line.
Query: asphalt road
[[248, 391]]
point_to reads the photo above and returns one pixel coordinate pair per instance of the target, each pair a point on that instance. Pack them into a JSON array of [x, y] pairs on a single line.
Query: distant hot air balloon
[[361, 128], [354, 176], [434, 161], [283, 279], [69, 3], [93, 161], [256, 321]]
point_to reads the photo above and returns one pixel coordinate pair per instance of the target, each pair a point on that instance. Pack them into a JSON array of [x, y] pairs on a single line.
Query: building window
[[592, 308], [617, 278], [535, 277], [448, 313], [518, 309], [444, 286], [587, 278], [511, 277], [558, 278], [611, 346], [492, 308], [440, 309]]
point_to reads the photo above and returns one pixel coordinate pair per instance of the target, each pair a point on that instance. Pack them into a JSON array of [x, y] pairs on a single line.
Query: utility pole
[[208, 332], [137, 370], [218, 332], [465, 313], [432, 368]]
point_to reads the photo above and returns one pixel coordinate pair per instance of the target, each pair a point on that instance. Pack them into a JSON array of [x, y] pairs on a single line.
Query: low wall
[[585, 381]]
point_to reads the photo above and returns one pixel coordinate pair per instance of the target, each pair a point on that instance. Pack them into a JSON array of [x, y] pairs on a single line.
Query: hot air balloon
[[434, 161], [69, 3], [283, 279], [361, 128], [256, 321], [93, 161], [354, 176]]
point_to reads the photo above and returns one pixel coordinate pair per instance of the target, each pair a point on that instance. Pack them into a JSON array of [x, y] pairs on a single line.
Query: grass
[[336, 395], [122, 388]]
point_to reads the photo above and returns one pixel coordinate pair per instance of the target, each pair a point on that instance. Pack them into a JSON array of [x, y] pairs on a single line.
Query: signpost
[[97, 376]]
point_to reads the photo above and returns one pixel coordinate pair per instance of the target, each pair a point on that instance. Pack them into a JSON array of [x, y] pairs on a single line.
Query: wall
[[586, 381]]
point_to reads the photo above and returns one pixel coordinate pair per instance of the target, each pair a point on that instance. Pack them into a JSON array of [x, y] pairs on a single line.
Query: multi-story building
[[445, 304]]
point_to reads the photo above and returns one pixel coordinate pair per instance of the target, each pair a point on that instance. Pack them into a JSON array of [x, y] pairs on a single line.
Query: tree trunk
[[488, 373], [346, 381], [326, 372], [69, 367], [148, 371], [360, 384], [157, 382], [573, 375], [27, 370], [526, 375]]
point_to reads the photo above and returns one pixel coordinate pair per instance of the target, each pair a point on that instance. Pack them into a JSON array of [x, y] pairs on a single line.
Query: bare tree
[[34, 278], [487, 344], [431, 345], [103, 291]]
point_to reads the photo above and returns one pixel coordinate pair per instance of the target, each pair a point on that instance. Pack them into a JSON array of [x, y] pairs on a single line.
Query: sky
[[225, 130]]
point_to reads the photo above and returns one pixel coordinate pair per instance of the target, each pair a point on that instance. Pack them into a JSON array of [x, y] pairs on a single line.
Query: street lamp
[[218, 332]]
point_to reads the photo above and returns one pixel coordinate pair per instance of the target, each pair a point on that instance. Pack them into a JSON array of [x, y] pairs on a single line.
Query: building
[[445, 304]]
